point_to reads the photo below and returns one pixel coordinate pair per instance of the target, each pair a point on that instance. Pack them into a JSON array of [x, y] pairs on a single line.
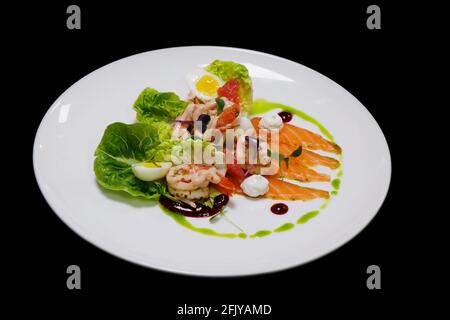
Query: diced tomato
[[230, 90], [225, 186], [227, 116], [235, 171]]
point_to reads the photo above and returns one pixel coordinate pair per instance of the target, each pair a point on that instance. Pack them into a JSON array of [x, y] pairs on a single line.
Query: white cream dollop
[[255, 185], [245, 124], [271, 122]]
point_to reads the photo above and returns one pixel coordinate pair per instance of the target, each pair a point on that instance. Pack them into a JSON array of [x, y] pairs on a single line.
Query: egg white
[[150, 174]]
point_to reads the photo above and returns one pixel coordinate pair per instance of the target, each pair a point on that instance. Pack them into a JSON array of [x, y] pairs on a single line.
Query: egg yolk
[[150, 165], [207, 85]]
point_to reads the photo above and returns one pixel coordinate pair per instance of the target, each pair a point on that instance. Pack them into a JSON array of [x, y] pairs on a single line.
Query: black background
[[329, 38]]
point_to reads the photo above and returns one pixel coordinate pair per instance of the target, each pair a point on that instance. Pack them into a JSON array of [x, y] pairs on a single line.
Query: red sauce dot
[[285, 116], [279, 208]]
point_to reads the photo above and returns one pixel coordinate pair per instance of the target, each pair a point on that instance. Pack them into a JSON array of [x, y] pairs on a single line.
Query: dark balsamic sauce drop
[[201, 211], [285, 116], [279, 208]]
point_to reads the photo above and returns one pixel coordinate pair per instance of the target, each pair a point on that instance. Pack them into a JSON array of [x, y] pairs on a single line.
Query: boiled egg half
[[149, 171], [204, 84]]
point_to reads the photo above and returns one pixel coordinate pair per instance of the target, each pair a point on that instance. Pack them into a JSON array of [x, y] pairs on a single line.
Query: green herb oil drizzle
[[284, 227], [336, 183], [181, 220], [261, 233], [307, 216]]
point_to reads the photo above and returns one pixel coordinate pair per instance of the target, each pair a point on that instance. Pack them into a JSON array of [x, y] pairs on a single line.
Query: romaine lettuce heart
[[153, 106], [227, 70], [122, 146]]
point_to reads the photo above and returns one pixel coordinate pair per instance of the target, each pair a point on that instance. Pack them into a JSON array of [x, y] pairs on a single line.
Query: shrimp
[[180, 129], [190, 182], [194, 110], [190, 114]]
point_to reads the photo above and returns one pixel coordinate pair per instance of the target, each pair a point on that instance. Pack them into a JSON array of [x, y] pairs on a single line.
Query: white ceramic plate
[[138, 231]]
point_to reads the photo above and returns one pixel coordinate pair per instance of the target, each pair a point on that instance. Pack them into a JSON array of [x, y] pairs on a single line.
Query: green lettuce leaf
[[153, 106], [227, 70], [190, 150], [122, 146], [209, 202]]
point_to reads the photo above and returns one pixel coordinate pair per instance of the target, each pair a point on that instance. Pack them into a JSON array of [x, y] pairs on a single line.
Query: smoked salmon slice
[[298, 136], [297, 168], [312, 159], [308, 158], [282, 190], [297, 171], [307, 139]]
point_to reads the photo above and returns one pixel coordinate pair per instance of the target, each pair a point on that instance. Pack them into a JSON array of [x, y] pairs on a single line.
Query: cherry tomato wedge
[[225, 186], [227, 116], [230, 90], [235, 171]]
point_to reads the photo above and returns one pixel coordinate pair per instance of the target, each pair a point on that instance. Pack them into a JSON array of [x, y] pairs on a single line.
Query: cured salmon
[[297, 167], [291, 134], [297, 171], [283, 190], [308, 158]]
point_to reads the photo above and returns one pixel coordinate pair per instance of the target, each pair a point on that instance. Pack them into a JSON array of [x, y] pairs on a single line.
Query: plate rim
[[129, 256]]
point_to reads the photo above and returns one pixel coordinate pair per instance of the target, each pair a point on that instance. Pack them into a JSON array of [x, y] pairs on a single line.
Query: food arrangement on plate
[[193, 156]]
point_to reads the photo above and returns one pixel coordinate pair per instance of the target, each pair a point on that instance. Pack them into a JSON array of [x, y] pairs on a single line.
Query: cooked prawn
[[191, 181], [190, 114]]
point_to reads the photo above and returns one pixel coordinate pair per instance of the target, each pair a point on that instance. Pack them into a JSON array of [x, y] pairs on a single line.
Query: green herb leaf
[[280, 157], [220, 105], [297, 152], [286, 159]]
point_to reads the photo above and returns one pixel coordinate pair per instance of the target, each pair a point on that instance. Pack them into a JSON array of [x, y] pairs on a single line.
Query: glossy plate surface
[[138, 231]]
